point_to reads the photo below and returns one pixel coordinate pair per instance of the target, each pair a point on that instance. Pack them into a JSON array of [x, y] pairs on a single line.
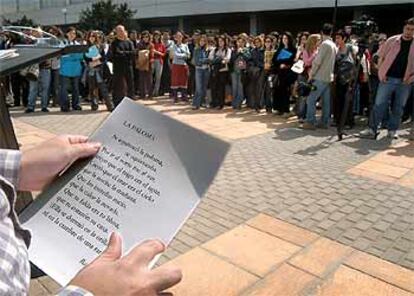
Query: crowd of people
[[284, 74]]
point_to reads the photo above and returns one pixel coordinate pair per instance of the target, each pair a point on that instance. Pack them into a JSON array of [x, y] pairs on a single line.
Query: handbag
[[31, 72], [298, 67]]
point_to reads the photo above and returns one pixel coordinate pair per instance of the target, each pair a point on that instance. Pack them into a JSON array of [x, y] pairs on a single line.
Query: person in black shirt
[[399, 66], [396, 75], [122, 53], [281, 64]]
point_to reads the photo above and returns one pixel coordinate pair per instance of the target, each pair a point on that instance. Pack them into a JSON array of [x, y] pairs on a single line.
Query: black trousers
[[341, 91], [191, 80], [256, 90], [145, 83], [123, 85], [281, 95], [20, 87], [165, 86], [218, 88]]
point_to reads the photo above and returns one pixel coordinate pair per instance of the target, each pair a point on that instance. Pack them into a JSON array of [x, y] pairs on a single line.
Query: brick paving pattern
[[262, 257], [304, 178]]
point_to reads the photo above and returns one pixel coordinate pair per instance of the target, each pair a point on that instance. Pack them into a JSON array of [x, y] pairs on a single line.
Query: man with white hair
[[122, 53]]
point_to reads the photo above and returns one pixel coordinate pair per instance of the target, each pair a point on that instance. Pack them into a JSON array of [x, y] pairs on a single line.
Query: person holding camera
[[396, 75], [321, 76]]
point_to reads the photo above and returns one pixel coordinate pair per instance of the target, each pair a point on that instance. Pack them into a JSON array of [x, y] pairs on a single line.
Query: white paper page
[[144, 183]]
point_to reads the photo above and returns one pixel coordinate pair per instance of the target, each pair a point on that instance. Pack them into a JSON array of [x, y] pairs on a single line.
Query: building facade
[[222, 15]]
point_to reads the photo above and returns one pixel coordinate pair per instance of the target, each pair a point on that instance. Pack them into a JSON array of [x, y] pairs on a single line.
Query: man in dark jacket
[[122, 54]]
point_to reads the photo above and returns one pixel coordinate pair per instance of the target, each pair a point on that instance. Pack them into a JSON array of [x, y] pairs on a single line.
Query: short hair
[[327, 29], [156, 32], [341, 33], [145, 33], [70, 29], [410, 21]]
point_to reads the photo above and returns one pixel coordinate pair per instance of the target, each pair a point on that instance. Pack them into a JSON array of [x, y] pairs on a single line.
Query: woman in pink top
[[308, 55], [310, 51]]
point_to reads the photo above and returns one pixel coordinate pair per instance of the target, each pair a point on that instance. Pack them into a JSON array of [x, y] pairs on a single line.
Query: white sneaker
[[392, 135], [369, 134]]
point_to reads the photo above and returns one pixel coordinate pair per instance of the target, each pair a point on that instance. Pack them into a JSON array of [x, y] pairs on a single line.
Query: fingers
[[163, 278], [114, 249], [145, 252], [76, 139], [83, 150]]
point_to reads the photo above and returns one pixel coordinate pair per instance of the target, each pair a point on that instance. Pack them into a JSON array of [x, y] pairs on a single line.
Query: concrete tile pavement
[[320, 267], [301, 177]]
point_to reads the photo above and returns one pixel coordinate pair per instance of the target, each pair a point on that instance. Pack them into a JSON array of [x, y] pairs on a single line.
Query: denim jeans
[[323, 90], [64, 100], [237, 89], [157, 74], [201, 81], [43, 82], [382, 102]]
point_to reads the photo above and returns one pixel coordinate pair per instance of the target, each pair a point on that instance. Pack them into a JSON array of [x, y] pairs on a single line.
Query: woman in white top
[[219, 59]]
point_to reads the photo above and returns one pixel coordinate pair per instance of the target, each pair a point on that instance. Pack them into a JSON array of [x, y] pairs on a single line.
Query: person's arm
[[181, 53], [227, 58], [9, 165], [317, 62], [383, 51], [38, 167]]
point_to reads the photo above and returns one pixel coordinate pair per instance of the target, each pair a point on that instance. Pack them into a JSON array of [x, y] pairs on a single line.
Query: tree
[[24, 21], [104, 16]]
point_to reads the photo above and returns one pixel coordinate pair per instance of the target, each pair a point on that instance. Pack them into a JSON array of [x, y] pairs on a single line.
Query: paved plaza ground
[[291, 212]]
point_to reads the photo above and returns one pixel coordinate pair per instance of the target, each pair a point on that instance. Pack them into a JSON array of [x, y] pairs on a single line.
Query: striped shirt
[[14, 240]]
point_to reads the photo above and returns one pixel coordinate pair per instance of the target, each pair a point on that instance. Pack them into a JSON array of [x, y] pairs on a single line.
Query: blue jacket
[[71, 65], [201, 57]]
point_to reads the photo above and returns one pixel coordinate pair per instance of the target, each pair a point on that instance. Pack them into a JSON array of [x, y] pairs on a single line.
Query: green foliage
[[24, 21], [104, 16]]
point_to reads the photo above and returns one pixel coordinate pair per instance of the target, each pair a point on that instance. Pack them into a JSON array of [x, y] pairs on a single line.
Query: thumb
[[114, 249], [83, 150]]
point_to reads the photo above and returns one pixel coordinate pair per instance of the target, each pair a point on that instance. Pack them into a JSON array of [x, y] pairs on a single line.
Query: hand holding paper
[[133, 277], [144, 183], [40, 165]]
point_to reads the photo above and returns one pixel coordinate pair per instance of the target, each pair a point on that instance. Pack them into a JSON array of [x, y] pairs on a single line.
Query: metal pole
[[335, 14]]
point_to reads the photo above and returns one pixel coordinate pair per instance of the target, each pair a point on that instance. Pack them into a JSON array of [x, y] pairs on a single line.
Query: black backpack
[[345, 71]]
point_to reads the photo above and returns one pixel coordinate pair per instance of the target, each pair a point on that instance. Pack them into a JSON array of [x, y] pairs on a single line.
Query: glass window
[[28, 5], [7, 6], [52, 3]]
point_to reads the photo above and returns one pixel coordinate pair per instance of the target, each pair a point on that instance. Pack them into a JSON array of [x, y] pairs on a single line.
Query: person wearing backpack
[[344, 75]]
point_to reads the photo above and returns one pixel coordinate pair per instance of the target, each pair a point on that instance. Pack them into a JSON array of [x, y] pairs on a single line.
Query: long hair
[[92, 34], [222, 37], [312, 42], [291, 41]]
